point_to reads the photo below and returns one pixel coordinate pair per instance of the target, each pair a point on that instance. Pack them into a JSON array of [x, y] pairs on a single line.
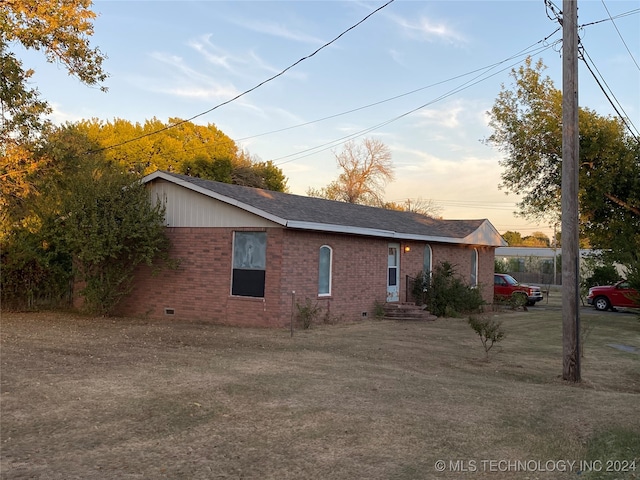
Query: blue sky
[[178, 59]]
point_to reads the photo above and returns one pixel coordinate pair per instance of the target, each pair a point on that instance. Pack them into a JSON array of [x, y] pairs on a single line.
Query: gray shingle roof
[[298, 211]]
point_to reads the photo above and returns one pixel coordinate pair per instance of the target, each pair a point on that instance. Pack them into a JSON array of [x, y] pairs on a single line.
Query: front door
[[393, 273]]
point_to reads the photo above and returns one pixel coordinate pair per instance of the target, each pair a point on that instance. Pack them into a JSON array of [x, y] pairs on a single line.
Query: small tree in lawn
[[489, 331]]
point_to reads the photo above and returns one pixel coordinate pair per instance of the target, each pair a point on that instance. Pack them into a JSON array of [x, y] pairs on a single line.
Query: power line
[[329, 117], [524, 52], [173, 125], [625, 118], [503, 206], [620, 35], [464, 86], [610, 19]]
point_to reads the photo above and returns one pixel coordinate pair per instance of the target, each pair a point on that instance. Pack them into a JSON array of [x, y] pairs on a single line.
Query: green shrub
[[602, 275], [447, 295], [419, 286], [501, 266], [378, 310], [514, 302]]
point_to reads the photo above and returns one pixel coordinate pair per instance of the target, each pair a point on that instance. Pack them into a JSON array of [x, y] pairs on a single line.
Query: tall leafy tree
[[90, 222], [197, 150], [514, 239], [61, 29], [366, 168], [526, 121]]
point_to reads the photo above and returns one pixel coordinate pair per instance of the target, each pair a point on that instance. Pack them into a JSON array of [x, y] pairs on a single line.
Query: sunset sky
[[419, 76]]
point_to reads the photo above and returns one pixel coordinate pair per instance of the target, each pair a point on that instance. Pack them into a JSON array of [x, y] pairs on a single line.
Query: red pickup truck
[[610, 296], [506, 287]]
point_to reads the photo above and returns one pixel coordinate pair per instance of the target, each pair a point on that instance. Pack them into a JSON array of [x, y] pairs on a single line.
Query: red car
[[610, 296], [506, 287]]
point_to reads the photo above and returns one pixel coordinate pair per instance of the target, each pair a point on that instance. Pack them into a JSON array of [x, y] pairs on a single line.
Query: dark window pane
[[393, 280], [248, 283]]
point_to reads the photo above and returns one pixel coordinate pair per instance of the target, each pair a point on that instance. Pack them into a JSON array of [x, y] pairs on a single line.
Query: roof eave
[[474, 238], [485, 234]]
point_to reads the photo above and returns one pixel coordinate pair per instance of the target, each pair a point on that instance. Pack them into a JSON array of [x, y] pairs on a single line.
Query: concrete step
[[406, 311]]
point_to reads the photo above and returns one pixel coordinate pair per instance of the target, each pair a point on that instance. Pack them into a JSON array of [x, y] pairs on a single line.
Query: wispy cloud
[[59, 116], [262, 64], [242, 64], [447, 117], [212, 53], [187, 82], [278, 30], [397, 56], [426, 29]]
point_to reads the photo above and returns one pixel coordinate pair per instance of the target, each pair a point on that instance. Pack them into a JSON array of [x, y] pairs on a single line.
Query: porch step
[[406, 311]]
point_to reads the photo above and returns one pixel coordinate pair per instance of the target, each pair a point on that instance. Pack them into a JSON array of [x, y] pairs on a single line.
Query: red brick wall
[[199, 289], [359, 269], [457, 255]]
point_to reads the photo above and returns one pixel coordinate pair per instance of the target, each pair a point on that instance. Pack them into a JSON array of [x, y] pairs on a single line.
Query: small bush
[[308, 313], [447, 295], [514, 302], [489, 331], [419, 287], [378, 310]]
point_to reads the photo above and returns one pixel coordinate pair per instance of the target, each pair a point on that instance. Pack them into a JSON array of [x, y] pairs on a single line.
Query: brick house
[[244, 251]]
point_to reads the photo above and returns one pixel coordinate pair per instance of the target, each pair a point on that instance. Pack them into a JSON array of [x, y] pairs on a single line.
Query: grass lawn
[[95, 398]]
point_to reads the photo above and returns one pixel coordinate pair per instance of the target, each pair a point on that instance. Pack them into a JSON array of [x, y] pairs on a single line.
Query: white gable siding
[[185, 208]]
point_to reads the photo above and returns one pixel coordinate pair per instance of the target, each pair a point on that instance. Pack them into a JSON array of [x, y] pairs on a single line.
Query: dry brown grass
[[124, 398]]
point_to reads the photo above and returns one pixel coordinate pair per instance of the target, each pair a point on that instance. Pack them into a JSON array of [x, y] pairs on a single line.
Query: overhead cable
[[608, 94], [527, 51], [523, 52], [474, 81], [173, 125], [620, 35]]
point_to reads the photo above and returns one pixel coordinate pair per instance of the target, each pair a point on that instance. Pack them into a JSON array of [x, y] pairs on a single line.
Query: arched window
[[473, 281], [324, 270], [427, 261]]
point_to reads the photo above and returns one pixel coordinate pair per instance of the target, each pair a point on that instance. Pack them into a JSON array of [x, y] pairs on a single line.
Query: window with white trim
[[427, 261], [473, 281], [325, 260], [249, 264]]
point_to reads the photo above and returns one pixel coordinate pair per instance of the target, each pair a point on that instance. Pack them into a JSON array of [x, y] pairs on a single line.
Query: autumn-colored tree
[[61, 30], [366, 168], [90, 222], [513, 239], [182, 147], [536, 239]]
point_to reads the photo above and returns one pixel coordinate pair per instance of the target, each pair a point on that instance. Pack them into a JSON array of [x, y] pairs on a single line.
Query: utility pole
[[570, 238]]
